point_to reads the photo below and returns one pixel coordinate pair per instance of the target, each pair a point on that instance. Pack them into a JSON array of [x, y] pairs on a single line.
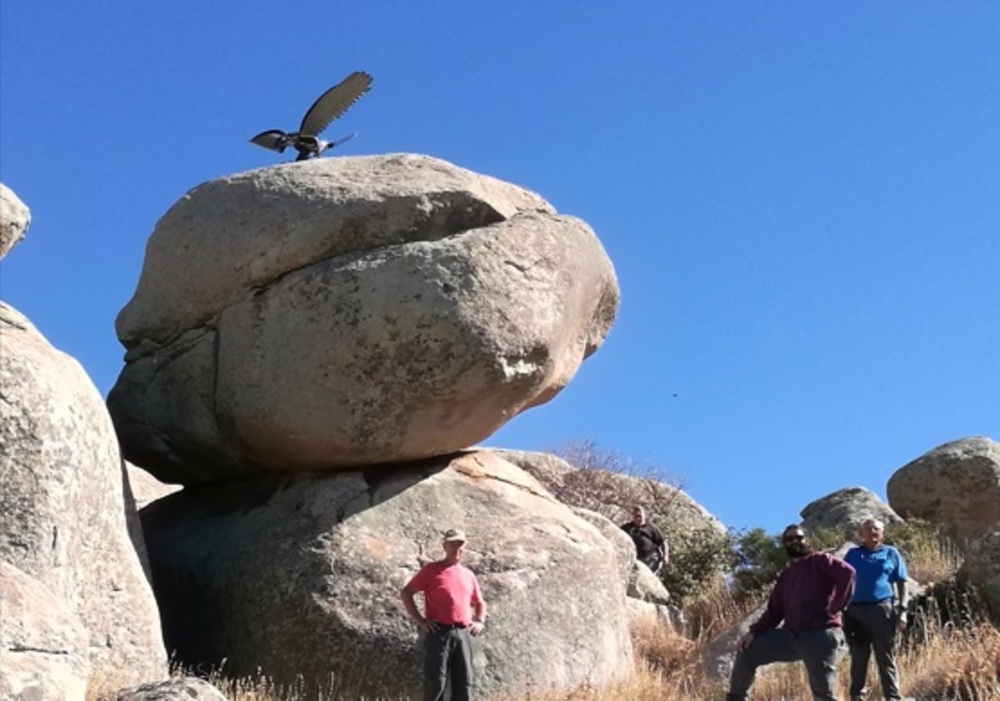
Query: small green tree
[[695, 561], [760, 557]]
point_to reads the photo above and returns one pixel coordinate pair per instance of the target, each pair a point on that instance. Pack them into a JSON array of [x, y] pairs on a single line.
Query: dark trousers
[[448, 665], [872, 627], [819, 650]]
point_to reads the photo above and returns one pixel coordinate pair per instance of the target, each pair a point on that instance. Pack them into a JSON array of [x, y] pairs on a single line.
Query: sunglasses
[[794, 538]]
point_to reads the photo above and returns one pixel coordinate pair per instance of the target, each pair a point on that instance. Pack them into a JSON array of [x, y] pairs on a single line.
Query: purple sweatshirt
[[810, 594]]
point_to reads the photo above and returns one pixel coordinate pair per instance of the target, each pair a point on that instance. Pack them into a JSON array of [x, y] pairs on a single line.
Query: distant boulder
[[351, 311], [301, 576], [63, 513], [845, 510], [43, 646], [956, 485], [14, 219]]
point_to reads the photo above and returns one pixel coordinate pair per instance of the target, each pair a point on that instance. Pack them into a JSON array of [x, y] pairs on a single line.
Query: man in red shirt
[[809, 596], [453, 611]]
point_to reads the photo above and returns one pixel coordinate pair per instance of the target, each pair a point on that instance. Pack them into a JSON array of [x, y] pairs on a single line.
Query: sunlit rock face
[[956, 485], [14, 219], [65, 518], [341, 312], [298, 577]]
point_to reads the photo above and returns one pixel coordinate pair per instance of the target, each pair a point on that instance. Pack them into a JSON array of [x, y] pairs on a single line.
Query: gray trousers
[[819, 650], [872, 627], [448, 665]]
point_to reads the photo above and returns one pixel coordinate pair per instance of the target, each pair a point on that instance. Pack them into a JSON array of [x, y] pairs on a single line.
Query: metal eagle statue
[[330, 105]]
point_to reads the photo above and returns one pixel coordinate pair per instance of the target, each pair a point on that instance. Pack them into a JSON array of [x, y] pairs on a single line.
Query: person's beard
[[796, 549]]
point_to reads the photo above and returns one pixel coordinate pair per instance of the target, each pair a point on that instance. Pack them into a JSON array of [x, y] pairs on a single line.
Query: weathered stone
[[718, 655], [845, 510], [350, 311], [176, 689], [646, 586], [981, 568], [145, 488], [956, 485], [647, 613], [14, 220], [62, 507], [302, 576], [43, 646]]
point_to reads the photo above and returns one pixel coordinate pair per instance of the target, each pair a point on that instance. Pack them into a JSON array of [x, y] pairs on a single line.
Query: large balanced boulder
[[14, 219], [845, 510], [43, 646], [63, 509], [341, 312], [300, 575], [956, 485]]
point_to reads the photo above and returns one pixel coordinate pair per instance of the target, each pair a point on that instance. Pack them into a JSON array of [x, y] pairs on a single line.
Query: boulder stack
[[311, 349]]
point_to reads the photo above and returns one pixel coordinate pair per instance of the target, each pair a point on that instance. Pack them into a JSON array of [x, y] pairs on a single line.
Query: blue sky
[[801, 199]]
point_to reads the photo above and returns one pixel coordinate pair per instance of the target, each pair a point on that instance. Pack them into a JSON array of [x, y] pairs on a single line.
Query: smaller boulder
[[845, 510], [644, 585]]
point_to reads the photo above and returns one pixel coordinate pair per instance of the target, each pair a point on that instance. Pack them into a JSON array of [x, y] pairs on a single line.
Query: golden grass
[[943, 663], [948, 665]]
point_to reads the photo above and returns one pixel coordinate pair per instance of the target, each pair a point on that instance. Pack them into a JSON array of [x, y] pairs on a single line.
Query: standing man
[[809, 596], [650, 545], [454, 610], [874, 616]]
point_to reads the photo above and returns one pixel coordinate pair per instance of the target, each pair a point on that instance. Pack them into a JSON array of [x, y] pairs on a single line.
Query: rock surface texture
[[981, 568], [341, 312], [63, 517], [301, 575], [177, 689], [956, 485], [845, 510], [14, 219], [43, 646]]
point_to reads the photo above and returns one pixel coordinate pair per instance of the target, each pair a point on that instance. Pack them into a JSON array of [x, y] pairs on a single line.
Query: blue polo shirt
[[876, 571]]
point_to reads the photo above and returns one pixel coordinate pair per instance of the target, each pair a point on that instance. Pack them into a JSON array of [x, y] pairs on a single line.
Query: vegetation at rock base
[[949, 663], [950, 651]]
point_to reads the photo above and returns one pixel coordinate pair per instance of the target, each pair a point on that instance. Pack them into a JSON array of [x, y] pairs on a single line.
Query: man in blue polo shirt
[[875, 615]]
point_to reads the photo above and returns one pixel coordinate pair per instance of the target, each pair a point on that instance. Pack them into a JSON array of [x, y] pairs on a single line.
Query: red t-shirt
[[449, 592]]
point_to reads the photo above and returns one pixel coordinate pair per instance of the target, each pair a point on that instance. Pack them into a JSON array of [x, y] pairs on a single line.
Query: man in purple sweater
[[809, 596]]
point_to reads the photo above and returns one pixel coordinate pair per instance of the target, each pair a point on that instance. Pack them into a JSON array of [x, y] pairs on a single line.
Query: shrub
[[698, 560]]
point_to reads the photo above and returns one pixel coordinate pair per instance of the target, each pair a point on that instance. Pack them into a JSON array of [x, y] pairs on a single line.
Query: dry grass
[[954, 656], [949, 664]]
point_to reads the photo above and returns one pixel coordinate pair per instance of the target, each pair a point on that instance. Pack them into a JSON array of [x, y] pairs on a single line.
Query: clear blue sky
[[801, 199]]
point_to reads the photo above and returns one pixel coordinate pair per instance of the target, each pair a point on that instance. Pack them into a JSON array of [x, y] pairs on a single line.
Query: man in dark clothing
[[809, 596], [650, 545]]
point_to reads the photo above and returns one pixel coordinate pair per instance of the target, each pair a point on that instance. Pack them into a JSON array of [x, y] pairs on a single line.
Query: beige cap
[[454, 534]]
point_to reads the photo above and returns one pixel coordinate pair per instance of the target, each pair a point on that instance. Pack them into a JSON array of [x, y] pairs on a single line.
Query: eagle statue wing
[[333, 103]]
